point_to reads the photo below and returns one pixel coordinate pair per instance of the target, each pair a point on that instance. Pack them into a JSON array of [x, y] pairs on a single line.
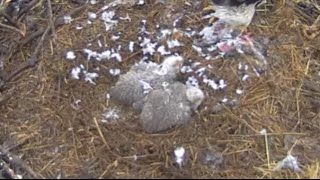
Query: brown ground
[[57, 138]]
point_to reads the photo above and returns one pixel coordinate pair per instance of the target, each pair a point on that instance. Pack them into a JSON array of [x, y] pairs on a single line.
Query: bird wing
[[234, 2]]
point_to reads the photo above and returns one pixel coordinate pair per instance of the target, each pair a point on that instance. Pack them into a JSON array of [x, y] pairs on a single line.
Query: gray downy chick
[[170, 107], [143, 78]]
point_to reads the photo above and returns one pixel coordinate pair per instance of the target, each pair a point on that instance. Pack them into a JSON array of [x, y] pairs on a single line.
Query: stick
[[31, 61], [53, 31], [267, 149], [99, 130], [28, 7], [12, 29], [17, 160]]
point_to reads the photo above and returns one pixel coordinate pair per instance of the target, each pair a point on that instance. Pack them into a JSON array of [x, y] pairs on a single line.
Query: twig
[[115, 163], [99, 130], [53, 31], [267, 148], [49, 163], [16, 160], [12, 29], [8, 18], [30, 38], [31, 61], [312, 86], [61, 21], [308, 18], [28, 7]]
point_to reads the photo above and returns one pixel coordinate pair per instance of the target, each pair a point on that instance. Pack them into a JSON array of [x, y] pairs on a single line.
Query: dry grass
[[58, 138]]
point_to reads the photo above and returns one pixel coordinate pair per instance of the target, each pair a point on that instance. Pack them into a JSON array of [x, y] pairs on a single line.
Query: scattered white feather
[[105, 7], [93, 2], [114, 37], [207, 33], [67, 19], [256, 72], [175, 22], [186, 69], [222, 84], [162, 50], [200, 71], [147, 46], [131, 46], [224, 100], [70, 55], [150, 44], [179, 155], [104, 55], [92, 15], [198, 49], [245, 77], [173, 43], [97, 68], [289, 162], [239, 91], [90, 77], [90, 53], [140, 2], [19, 176], [195, 64], [165, 33], [108, 96], [192, 81], [143, 29], [78, 27], [114, 72], [263, 132], [107, 17], [117, 56], [109, 116], [75, 72], [211, 83], [246, 67]]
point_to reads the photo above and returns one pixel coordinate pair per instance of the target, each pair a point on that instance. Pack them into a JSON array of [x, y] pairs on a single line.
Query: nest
[[58, 120]]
